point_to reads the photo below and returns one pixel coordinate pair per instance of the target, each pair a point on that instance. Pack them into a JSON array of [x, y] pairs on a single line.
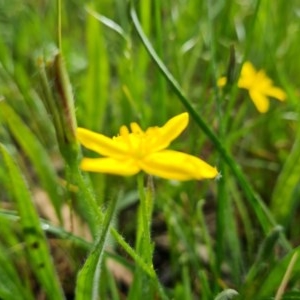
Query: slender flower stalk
[[259, 86], [131, 152]]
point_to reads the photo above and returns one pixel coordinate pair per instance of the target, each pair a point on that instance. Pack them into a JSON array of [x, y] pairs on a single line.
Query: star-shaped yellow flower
[[259, 86], [138, 150]]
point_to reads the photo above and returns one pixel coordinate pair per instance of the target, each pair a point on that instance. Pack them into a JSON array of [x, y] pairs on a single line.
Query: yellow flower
[[259, 86], [222, 81], [131, 152]]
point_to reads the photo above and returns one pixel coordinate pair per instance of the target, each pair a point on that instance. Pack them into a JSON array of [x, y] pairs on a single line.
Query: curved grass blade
[[227, 294], [36, 153], [37, 248], [108, 22]]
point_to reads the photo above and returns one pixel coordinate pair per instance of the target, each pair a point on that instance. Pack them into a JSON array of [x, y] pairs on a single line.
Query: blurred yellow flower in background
[[138, 150], [259, 86], [222, 81]]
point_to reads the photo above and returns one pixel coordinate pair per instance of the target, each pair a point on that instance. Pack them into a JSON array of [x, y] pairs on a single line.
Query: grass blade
[[87, 286], [38, 251], [286, 185], [288, 265], [36, 153], [96, 94], [11, 287]]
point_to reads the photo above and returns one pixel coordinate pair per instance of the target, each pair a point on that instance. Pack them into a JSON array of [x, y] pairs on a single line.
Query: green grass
[[68, 234]]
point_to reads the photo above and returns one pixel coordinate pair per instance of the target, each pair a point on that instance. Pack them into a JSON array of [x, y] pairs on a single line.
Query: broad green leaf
[[35, 240]]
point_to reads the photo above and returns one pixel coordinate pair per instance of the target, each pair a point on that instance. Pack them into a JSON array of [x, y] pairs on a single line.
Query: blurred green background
[[208, 236]]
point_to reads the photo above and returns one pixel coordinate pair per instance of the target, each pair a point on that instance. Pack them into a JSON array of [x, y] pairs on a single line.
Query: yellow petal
[[260, 101], [248, 69], [276, 93], [135, 128], [101, 144], [247, 76], [177, 165], [170, 131], [110, 166]]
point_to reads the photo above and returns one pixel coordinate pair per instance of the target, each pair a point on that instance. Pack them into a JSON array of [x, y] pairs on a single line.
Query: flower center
[[138, 142]]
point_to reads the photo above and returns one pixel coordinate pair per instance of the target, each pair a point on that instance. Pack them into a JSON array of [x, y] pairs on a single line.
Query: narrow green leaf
[[108, 22], [207, 292], [263, 261], [269, 286], [35, 240], [36, 153], [287, 183], [96, 93], [11, 287], [87, 286], [47, 227], [227, 295], [292, 295], [186, 279], [161, 96]]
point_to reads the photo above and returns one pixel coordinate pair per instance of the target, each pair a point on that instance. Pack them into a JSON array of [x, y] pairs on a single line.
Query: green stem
[[94, 215], [142, 287], [145, 211], [101, 245], [142, 264], [207, 239], [59, 25], [132, 253]]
